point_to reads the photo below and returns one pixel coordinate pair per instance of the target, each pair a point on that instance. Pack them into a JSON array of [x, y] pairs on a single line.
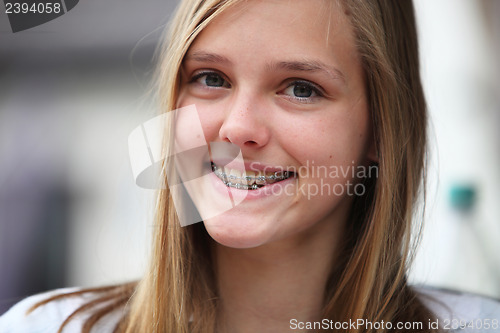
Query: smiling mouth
[[249, 180]]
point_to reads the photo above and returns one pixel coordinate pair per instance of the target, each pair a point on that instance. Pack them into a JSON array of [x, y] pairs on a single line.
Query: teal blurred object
[[463, 196]]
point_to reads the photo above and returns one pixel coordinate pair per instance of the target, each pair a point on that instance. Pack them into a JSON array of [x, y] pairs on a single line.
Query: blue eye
[[302, 90], [211, 79]]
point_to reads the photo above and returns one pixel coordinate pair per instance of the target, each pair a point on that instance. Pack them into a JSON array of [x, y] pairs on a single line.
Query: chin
[[239, 235]]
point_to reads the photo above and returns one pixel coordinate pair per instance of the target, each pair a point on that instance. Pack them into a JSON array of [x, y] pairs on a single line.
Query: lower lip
[[271, 190]]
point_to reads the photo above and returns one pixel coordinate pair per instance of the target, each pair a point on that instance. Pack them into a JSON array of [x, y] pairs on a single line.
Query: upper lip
[[249, 166]]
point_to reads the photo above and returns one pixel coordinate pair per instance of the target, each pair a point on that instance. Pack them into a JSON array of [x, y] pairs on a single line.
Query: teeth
[[250, 175], [237, 176], [281, 174], [230, 174], [248, 179], [236, 173], [243, 178], [260, 180]]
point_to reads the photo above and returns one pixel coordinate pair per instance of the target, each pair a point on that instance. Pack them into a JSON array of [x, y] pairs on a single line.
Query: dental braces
[[281, 175], [242, 186]]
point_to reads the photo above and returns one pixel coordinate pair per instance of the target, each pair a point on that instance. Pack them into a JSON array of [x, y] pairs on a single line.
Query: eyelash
[[199, 75], [315, 89], [318, 91]]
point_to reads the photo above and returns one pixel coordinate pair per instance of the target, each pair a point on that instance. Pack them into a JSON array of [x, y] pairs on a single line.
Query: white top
[[461, 312], [457, 312], [48, 318]]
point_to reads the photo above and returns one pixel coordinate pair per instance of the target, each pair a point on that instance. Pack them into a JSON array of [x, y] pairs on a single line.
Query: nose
[[245, 123]]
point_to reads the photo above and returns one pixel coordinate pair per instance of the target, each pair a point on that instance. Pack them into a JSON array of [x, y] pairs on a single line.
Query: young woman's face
[[282, 81]]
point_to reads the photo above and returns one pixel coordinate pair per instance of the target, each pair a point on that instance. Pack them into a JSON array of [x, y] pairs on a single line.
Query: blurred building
[[460, 43], [71, 91]]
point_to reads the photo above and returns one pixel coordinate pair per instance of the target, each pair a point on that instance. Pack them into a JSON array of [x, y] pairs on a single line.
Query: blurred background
[[73, 89], [460, 48]]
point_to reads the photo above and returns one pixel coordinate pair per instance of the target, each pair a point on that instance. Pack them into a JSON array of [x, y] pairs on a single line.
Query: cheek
[[211, 122], [326, 140], [209, 115], [188, 131]]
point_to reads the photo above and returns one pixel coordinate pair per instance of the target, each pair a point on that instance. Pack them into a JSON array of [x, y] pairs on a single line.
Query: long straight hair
[[178, 294]]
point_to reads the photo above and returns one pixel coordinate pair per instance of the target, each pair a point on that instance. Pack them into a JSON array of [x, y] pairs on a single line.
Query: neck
[[263, 288]]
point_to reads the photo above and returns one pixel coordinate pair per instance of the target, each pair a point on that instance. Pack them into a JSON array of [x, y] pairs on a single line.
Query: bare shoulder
[[49, 317], [462, 312]]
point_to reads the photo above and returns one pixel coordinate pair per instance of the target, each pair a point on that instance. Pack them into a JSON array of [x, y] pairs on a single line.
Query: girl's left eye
[[211, 79], [302, 90]]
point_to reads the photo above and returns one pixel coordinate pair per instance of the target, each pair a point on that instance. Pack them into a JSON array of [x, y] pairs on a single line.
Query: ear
[[373, 152]]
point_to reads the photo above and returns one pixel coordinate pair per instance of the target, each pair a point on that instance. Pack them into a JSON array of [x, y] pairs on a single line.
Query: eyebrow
[[295, 66], [208, 57], [308, 66]]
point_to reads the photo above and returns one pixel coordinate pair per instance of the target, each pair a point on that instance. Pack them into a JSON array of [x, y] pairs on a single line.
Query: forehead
[[260, 30]]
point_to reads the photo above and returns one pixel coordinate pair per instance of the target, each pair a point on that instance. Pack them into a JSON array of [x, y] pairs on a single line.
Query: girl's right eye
[[211, 79]]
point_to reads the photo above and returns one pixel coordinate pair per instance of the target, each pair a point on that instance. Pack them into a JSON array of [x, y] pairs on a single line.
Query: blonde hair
[[179, 293]]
